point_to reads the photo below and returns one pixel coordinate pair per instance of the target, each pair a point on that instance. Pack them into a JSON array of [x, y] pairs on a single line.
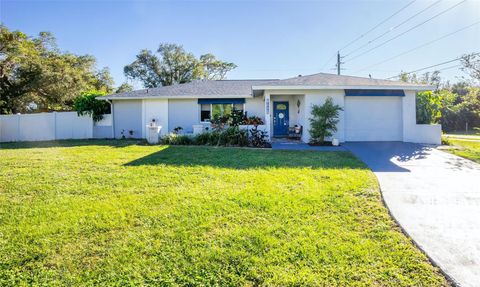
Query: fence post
[[17, 138], [54, 125]]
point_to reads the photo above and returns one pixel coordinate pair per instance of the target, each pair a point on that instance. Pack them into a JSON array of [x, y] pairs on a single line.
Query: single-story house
[[373, 109]]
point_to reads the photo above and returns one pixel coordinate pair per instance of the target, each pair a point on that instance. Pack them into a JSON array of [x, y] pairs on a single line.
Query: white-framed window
[[209, 111]]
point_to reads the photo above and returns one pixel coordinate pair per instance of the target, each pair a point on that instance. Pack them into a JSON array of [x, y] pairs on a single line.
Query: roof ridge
[[244, 80]]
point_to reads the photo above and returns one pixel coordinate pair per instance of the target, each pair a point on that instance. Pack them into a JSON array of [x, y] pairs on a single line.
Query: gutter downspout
[[113, 117]]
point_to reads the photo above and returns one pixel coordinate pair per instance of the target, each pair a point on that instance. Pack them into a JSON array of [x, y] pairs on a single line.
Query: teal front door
[[280, 119]]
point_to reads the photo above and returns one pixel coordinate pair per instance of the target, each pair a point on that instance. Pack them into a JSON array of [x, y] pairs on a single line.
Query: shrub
[[232, 136], [175, 139], [236, 118], [428, 108], [323, 122], [203, 138], [258, 138], [177, 130], [87, 104], [219, 122], [253, 120], [445, 141]]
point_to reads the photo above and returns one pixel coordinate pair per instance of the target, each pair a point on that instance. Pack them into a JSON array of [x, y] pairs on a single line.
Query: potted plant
[[323, 122]]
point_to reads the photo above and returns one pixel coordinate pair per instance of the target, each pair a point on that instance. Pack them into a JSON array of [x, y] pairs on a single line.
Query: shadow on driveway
[[383, 156]]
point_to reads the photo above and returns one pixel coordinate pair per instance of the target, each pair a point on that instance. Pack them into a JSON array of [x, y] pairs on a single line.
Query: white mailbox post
[[153, 134]]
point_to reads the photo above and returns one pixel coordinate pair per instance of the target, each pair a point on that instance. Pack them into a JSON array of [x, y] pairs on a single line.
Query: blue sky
[[268, 39]]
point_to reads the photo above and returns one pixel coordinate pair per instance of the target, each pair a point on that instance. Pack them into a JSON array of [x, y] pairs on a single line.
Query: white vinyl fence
[[49, 126]]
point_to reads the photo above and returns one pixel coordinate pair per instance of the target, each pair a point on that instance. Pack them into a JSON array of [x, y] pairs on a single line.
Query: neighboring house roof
[[248, 88]]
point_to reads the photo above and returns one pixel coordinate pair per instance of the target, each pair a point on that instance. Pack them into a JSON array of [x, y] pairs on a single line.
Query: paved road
[[435, 196]]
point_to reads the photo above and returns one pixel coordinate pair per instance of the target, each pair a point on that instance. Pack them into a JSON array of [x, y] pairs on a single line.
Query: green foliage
[[323, 122], [253, 120], [205, 138], [177, 130], [115, 213], [469, 149], [259, 138], [456, 106], [429, 108], [233, 136], [33, 69], [173, 65], [460, 109], [218, 123], [236, 118], [125, 87], [471, 65], [87, 104], [214, 69], [176, 139]]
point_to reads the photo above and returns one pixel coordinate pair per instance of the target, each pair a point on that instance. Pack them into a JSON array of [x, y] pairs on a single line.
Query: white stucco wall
[[255, 107], [318, 98], [155, 109], [127, 115], [412, 132], [183, 113]]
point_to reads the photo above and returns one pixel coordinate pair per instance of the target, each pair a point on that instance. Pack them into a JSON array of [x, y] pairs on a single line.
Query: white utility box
[[153, 134]]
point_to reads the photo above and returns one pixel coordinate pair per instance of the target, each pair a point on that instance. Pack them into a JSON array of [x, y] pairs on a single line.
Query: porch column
[[267, 113]]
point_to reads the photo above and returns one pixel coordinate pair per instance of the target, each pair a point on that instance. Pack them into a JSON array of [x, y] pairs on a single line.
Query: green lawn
[[469, 149], [107, 213]]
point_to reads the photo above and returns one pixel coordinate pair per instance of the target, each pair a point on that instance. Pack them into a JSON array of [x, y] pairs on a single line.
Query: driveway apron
[[435, 197]]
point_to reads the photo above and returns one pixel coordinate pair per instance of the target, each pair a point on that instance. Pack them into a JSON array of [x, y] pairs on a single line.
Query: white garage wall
[[373, 118], [158, 110]]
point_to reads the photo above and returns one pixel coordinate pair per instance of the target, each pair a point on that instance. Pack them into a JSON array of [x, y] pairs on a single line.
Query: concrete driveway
[[435, 197]]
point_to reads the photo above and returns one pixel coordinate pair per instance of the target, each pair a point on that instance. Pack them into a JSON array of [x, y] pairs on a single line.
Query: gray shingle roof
[[199, 88], [323, 79], [243, 88]]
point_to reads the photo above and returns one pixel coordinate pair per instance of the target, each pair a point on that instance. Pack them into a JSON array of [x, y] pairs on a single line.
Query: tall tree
[[173, 65], [33, 69], [428, 78], [125, 87], [471, 64]]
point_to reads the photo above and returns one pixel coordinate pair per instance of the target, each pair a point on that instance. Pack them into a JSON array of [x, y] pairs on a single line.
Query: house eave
[[179, 97], [374, 87]]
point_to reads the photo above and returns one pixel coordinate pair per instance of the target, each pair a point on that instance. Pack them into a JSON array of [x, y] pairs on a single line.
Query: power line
[[393, 28], [326, 63], [412, 28], [447, 68], [376, 26], [432, 66], [420, 46]]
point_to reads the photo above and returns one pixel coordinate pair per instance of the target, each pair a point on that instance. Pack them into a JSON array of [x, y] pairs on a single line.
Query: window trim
[[211, 109]]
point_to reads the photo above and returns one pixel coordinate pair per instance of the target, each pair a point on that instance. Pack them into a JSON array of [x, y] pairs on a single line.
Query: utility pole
[[339, 62]]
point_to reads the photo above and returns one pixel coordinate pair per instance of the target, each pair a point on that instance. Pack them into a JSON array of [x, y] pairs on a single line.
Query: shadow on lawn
[[72, 143], [246, 158]]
